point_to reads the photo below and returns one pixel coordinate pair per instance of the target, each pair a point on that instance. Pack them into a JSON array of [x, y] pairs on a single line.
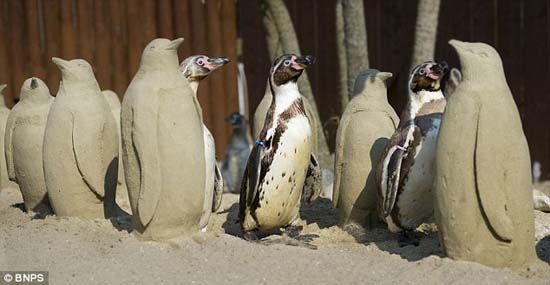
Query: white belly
[[210, 163], [282, 187]]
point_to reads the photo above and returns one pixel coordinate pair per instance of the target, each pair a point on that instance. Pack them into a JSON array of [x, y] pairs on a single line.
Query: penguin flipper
[[251, 179], [218, 190], [339, 158], [86, 149], [313, 183], [490, 172], [10, 125]]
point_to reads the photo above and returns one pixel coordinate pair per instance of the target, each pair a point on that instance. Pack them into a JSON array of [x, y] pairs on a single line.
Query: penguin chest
[[281, 189], [414, 203]]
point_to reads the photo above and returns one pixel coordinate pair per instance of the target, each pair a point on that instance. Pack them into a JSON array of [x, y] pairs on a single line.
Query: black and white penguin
[[406, 171], [237, 153], [281, 160]]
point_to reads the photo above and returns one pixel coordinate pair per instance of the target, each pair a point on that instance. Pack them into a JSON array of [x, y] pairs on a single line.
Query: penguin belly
[[210, 164], [281, 188], [414, 203]]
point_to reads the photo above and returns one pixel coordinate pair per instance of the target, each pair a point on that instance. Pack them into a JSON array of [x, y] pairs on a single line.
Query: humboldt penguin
[[163, 146], [4, 112], [483, 197], [24, 143], [281, 158], [405, 172], [366, 126], [195, 68], [80, 146], [237, 153]]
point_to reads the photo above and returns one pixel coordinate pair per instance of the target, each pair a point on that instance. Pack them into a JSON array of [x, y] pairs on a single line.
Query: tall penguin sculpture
[[24, 144], [483, 203], [364, 131], [80, 153], [4, 113], [163, 146]]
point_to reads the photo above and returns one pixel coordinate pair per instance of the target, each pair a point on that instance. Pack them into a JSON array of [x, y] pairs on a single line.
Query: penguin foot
[[250, 236], [292, 231], [408, 238], [286, 240]]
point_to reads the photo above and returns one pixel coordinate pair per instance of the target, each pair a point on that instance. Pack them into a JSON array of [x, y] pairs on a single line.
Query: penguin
[[405, 172], [163, 146], [24, 144], [4, 113], [483, 198], [366, 126], [281, 159], [195, 68], [80, 153], [237, 153]]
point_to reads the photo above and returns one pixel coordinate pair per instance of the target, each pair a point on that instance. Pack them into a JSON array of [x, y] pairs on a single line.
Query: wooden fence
[[111, 35]]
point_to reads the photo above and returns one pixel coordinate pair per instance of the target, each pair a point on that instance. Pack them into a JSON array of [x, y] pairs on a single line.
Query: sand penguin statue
[[364, 131], [80, 146], [163, 146], [237, 153], [281, 161], [483, 202], [195, 68], [405, 170], [24, 144], [4, 112]]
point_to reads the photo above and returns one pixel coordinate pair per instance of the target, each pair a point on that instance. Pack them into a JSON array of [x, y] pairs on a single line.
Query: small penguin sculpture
[[80, 154], [237, 153], [24, 144], [195, 68], [4, 113], [483, 197], [281, 163], [163, 146], [405, 172], [364, 131]]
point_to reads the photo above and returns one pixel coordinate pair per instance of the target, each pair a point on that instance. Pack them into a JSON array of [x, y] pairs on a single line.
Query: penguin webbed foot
[[408, 238], [250, 236]]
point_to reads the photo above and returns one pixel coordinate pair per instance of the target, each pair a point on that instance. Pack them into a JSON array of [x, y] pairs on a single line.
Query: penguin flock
[[462, 160]]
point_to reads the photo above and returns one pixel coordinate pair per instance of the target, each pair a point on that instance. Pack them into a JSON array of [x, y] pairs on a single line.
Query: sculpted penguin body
[[405, 172], [365, 128], [195, 68], [24, 144], [80, 146], [237, 153], [483, 202], [163, 147], [114, 105], [4, 113], [281, 160]]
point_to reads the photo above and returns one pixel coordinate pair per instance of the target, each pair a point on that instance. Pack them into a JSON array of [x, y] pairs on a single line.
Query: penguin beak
[[301, 62], [173, 45], [457, 44], [34, 83], [438, 70], [2, 87], [214, 63], [61, 63]]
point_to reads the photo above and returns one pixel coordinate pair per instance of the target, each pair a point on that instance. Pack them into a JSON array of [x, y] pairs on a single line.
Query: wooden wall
[[111, 35], [519, 29]]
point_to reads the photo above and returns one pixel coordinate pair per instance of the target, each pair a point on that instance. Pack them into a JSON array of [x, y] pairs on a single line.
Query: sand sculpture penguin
[[163, 146], [237, 153], [405, 172], [80, 146], [24, 144], [281, 161], [114, 105], [483, 203], [4, 112], [365, 128], [196, 68]]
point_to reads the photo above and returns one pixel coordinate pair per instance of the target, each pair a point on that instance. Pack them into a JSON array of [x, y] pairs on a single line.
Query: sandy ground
[[104, 252]]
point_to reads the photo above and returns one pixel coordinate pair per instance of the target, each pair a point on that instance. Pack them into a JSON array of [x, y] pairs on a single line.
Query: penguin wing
[[251, 178], [87, 149], [218, 190], [489, 169], [313, 183], [10, 125], [339, 158], [391, 172]]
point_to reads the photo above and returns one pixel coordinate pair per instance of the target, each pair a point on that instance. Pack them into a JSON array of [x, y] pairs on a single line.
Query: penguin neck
[[473, 73], [284, 96], [78, 85], [418, 99], [194, 84]]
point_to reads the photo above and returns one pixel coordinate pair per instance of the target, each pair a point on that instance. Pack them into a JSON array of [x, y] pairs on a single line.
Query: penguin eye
[[200, 61], [422, 71], [287, 62]]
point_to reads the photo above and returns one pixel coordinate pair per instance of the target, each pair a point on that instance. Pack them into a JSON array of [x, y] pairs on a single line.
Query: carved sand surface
[[76, 251]]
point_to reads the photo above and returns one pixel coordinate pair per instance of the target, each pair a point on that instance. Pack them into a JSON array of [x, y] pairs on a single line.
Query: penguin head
[[112, 99], [288, 68], [198, 67], [34, 86], [370, 77], [479, 57], [74, 70], [2, 87], [235, 119], [427, 76], [160, 53]]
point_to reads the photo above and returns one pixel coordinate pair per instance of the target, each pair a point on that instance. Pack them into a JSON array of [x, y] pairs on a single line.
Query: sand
[[75, 251]]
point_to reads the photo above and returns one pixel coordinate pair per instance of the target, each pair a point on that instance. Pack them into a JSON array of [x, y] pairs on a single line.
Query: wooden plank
[[5, 76], [69, 36], [34, 38], [373, 18], [18, 55], [148, 26], [119, 46], [102, 54], [164, 19], [135, 47], [229, 44], [86, 35], [182, 26]]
